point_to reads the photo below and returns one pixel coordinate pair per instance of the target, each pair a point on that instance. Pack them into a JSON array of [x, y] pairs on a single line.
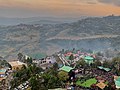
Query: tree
[[106, 64], [81, 63], [20, 56], [116, 64], [96, 63], [55, 66], [71, 58], [50, 80], [34, 83], [63, 76], [73, 50], [63, 51], [24, 74]]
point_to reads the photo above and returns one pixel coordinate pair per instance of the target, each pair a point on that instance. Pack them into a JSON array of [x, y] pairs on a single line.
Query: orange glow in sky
[[72, 8]]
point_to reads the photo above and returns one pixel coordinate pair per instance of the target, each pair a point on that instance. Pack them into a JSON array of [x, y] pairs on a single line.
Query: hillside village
[[33, 58], [59, 44], [64, 70]]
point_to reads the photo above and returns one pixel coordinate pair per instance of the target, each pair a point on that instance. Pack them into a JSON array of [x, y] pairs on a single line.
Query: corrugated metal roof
[[66, 68], [89, 58]]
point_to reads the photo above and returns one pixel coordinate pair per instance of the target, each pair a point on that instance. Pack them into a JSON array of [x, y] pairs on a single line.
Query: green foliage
[[55, 66], [50, 81], [52, 78], [71, 57], [106, 64], [81, 63], [116, 65], [63, 76], [34, 82], [24, 74], [87, 83], [96, 63]]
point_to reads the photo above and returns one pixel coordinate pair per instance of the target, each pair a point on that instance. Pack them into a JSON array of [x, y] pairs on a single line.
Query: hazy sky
[[58, 8]]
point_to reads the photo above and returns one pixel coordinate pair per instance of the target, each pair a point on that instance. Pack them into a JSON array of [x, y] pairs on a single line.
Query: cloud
[[91, 3], [75, 8], [114, 2]]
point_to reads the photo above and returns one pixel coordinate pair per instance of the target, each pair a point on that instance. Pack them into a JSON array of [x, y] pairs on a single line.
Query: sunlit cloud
[[66, 8], [114, 2]]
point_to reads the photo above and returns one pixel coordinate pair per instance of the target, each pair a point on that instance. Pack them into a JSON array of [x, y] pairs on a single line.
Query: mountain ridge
[[99, 34]]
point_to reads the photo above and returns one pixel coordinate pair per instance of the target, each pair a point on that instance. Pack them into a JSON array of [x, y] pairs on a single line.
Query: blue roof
[[2, 70]]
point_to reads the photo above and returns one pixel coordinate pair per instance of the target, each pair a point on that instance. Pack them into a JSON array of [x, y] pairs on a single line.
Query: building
[[2, 72], [16, 65], [117, 81], [66, 69], [101, 85], [89, 59], [103, 68]]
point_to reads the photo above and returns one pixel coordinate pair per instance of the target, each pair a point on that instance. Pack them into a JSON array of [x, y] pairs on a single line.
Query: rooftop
[[2, 78], [16, 63], [106, 69], [66, 68], [117, 82], [101, 85], [89, 58], [2, 71]]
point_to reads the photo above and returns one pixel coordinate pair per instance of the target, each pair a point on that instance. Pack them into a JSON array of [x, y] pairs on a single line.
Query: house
[[47, 60], [103, 68], [117, 81], [66, 69], [101, 85], [50, 59], [16, 65], [27, 57], [3, 72], [89, 59]]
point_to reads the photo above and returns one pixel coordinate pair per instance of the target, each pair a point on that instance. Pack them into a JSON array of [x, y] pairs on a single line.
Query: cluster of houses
[[45, 62], [48, 61], [6, 72], [99, 80], [23, 86], [88, 57]]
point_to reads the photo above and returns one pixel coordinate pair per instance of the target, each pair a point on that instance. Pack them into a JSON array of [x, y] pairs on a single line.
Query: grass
[[87, 83], [106, 82]]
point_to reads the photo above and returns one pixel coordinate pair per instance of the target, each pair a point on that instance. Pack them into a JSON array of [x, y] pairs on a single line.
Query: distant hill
[[46, 22], [36, 20], [96, 33]]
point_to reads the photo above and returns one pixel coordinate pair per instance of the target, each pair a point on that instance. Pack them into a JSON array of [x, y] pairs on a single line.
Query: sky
[[58, 8]]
